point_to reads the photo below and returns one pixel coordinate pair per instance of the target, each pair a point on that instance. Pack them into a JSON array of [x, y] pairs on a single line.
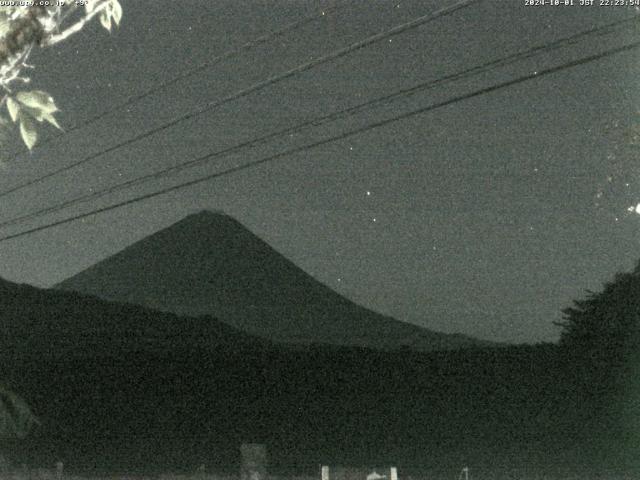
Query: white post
[[325, 472]]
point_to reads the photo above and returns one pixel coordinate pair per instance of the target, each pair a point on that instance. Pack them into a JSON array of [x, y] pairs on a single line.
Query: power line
[[518, 56], [189, 73], [259, 86], [342, 136]]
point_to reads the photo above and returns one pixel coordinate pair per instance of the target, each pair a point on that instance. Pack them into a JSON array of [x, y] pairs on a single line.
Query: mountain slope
[[56, 324], [208, 263]]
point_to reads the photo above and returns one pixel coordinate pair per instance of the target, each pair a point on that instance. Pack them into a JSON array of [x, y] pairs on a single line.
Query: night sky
[[485, 217]]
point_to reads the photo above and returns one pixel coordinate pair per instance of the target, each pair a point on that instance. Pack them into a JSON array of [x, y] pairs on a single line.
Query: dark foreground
[[121, 389]]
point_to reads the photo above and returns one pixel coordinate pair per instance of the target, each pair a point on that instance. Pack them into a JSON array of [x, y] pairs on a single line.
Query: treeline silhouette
[[120, 388]]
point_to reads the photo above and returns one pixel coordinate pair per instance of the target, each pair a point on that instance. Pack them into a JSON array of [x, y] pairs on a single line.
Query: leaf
[[41, 116], [5, 26], [7, 12], [16, 418], [116, 11], [105, 19], [51, 119], [38, 100], [28, 131], [14, 108]]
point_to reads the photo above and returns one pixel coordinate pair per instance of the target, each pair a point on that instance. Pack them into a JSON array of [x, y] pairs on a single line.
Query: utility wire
[[516, 57], [259, 86], [342, 136], [186, 74]]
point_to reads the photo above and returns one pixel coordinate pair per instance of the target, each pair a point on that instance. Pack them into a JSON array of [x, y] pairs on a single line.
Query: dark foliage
[[600, 343], [606, 322], [122, 388]]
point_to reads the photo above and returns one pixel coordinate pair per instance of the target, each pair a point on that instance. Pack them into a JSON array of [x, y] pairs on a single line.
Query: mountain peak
[[201, 226], [208, 214]]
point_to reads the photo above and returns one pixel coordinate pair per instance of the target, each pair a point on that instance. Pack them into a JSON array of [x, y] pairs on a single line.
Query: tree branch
[[76, 27], [27, 31]]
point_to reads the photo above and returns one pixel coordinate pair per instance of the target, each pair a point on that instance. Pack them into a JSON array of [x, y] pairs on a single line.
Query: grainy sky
[[486, 217]]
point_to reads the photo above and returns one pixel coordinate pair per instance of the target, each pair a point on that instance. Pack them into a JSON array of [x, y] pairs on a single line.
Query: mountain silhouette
[[210, 264]]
